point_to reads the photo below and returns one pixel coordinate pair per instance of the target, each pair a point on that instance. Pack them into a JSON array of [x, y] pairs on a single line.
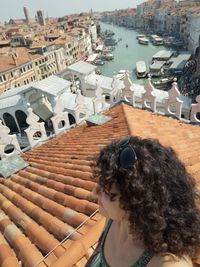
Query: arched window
[[10, 122], [71, 119], [21, 119]]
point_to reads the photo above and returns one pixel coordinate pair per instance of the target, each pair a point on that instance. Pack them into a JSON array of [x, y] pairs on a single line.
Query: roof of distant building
[[82, 67], [52, 85]]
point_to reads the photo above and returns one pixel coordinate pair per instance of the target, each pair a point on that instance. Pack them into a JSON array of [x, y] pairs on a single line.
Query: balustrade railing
[[36, 133]]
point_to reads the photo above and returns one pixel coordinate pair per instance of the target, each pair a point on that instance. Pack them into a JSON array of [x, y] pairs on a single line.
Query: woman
[[148, 198]]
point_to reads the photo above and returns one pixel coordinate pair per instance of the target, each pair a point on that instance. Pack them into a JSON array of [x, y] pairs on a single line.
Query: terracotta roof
[[8, 62], [44, 203]]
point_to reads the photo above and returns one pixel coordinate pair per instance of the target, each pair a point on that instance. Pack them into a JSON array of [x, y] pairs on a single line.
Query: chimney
[[14, 57]]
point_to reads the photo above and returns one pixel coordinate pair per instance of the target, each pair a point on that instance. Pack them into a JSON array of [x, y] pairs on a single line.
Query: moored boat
[[141, 69], [162, 55], [143, 41], [110, 42], [140, 36], [156, 40], [107, 56], [99, 62], [164, 83], [156, 69]]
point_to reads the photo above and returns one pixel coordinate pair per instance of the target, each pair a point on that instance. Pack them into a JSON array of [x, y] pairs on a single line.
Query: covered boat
[[141, 69], [143, 41]]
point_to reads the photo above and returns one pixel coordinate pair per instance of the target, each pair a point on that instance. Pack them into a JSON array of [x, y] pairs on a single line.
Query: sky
[[58, 8]]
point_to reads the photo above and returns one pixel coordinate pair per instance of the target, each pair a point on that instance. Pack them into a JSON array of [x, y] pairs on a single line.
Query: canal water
[[125, 58]]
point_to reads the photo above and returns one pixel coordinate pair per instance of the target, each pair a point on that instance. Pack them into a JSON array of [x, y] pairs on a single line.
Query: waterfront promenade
[[125, 58]]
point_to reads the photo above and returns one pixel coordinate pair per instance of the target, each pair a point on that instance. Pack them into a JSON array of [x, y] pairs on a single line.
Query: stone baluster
[[8, 141], [127, 92], [99, 102], [173, 101], [36, 131], [117, 87], [80, 108], [195, 109], [60, 119], [149, 96]]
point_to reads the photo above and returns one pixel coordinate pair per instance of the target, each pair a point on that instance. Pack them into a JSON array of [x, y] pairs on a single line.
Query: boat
[[156, 69], [162, 55], [140, 36], [107, 56], [156, 40], [164, 83], [109, 33], [126, 46], [110, 42], [143, 41], [141, 69], [99, 62]]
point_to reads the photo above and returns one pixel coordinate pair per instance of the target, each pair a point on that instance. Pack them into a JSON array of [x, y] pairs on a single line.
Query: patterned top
[[98, 258]]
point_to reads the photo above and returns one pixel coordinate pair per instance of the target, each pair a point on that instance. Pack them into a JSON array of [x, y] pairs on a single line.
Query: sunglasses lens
[[124, 142], [127, 157]]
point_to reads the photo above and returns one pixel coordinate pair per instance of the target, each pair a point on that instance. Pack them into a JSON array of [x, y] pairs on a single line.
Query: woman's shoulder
[[170, 260]]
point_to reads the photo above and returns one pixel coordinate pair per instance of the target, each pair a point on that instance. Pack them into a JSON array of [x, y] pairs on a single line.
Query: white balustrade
[[8, 142], [149, 98], [173, 102], [80, 108], [36, 131], [99, 102], [117, 87], [195, 109], [60, 119], [128, 92]]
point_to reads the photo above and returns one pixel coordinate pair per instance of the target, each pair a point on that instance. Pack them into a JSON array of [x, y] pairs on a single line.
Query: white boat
[[141, 69], [156, 40], [143, 41], [107, 56], [162, 55], [140, 36], [156, 69], [164, 83]]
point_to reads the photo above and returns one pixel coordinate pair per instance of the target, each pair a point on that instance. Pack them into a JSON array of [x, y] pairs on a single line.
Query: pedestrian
[[148, 198]]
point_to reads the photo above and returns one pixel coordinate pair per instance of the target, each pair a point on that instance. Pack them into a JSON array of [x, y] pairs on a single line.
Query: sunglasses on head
[[127, 155]]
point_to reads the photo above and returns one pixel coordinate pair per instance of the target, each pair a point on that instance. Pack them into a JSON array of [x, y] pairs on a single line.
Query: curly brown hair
[[157, 193]]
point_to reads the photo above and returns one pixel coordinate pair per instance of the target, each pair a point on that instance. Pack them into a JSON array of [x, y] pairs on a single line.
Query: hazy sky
[[57, 8]]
